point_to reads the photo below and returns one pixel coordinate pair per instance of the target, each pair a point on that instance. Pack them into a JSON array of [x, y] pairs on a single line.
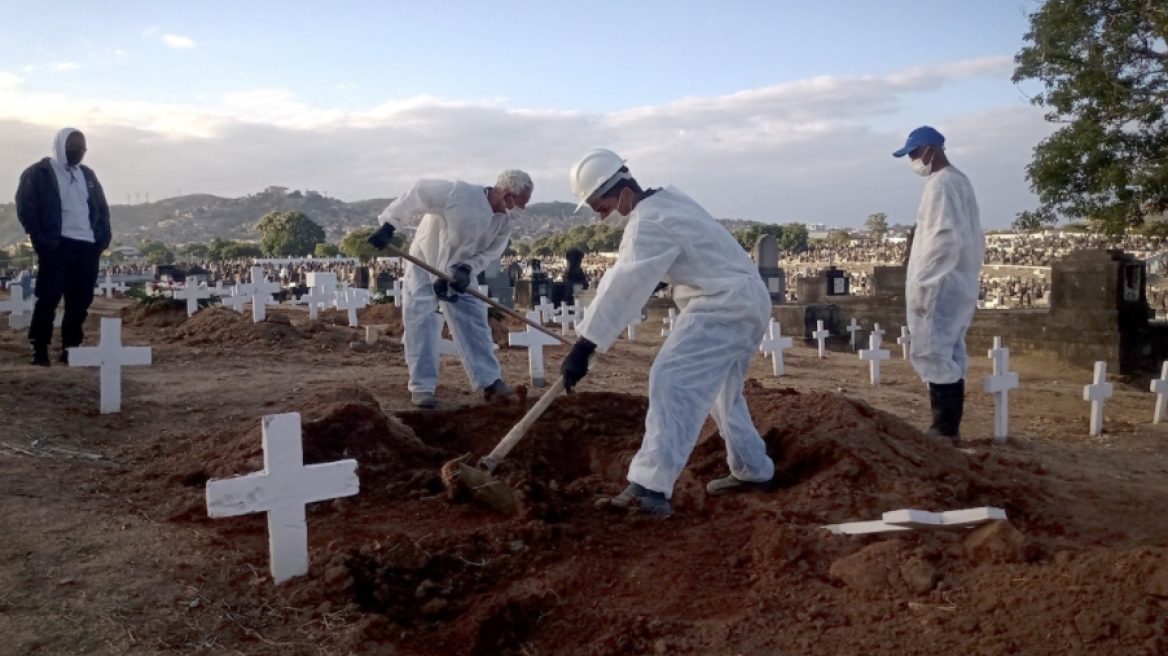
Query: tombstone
[[372, 334], [766, 258], [322, 279], [108, 287], [282, 490], [383, 281], [499, 283], [853, 328], [668, 321], [888, 281], [360, 277], [534, 340], [515, 272], [999, 384], [1160, 389], [192, 293], [315, 298], [632, 334], [261, 291], [111, 356], [874, 354], [821, 336], [905, 340], [168, 272], [396, 292], [1098, 392], [838, 282], [235, 302], [546, 309], [19, 306], [773, 344], [350, 302], [564, 318]]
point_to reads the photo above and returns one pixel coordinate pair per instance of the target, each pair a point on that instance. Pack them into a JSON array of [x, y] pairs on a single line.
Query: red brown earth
[[117, 555]]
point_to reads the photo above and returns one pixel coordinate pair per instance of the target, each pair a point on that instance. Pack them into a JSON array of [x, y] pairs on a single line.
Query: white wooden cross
[[191, 293], [19, 307], [323, 279], [874, 354], [111, 356], [633, 328], [668, 321], [351, 302], [261, 291], [316, 297], [534, 340], [852, 328], [282, 490], [773, 344], [579, 313], [108, 287], [564, 318], [1160, 389], [821, 334], [546, 309], [879, 331], [999, 384], [235, 302], [905, 340], [1097, 393], [396, 293], [219, 290]]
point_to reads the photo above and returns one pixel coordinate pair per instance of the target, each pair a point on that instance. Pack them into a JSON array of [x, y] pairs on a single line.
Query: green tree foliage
[[196, 251], [522, 249], [877, 225], [289, 234], [838, 238], [1156, 229], [794, 239], [1103, 67], [590, 238], [356, 244], [325, 249], [156, 252], [223, 249], [748, 237]]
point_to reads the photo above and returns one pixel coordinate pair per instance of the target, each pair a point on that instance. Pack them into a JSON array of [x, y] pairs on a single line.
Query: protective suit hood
[[58, 154]]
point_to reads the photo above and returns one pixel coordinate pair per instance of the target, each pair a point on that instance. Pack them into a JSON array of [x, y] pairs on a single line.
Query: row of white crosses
[[1100, 390], [108, 288]]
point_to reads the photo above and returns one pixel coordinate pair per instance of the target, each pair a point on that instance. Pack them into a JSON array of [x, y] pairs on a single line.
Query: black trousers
[[69, 272]]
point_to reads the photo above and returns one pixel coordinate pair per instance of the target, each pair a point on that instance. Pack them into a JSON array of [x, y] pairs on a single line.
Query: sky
[[761, 110]]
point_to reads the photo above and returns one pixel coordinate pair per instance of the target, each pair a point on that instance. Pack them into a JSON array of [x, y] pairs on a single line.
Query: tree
[[289, 234], [1103, 66], [877, 225], [325, 249], [222, 249], [794, 239], [748, 237], [356, 244], [156, 252], [197, 251], [522, 249], [838, 238]]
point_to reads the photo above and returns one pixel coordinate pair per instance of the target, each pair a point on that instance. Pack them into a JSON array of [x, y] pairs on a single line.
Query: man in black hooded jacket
[[63, 209]]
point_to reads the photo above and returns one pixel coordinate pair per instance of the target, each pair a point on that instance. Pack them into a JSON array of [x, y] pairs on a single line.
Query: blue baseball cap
[[922, 136]]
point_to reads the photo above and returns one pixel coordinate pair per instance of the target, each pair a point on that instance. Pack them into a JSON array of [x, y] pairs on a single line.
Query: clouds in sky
[[178, 42], [814, 150]]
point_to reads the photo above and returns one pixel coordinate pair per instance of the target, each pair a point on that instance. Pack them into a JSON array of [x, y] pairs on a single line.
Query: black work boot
[[947, 402], [40, 355], [63, 358]]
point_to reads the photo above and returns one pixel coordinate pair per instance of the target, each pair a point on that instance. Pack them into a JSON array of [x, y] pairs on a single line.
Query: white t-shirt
[[74, 203]]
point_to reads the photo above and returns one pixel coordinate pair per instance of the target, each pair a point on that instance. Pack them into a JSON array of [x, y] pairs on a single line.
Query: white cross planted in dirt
[[632, 335], [111, 356], [19, 307], [774, 344], [108, 287], [1097, 393], [219, 290], [192, 293], [316, 297], [564, 318], [905, 340], [668, 321], [821, 334], [874, 354], [853, 328], [534, 340], [396, 293], [545, 309], [1160, 389], [877, 330], [261, 291], [282, 490], [580, 312], [234, 302], [350, 302], [999, 384]]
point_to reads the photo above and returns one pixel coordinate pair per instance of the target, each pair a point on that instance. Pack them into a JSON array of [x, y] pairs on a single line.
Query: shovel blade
[[487, 490]]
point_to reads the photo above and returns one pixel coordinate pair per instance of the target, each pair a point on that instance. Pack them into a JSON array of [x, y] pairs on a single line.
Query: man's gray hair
[[514, 182]]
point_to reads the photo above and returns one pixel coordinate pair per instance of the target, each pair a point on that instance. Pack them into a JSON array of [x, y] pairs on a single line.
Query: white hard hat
[[592, 171]]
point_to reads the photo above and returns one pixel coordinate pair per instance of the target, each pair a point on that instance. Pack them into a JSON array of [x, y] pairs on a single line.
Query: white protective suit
[[942, 285], [725, 310], [458, 226]]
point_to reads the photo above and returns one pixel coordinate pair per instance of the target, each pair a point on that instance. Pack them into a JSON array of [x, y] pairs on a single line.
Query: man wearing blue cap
[[941, 289]]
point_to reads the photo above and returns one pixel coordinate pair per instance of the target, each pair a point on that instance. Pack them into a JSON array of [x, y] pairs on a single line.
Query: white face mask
[[920, 168], [615, 219]]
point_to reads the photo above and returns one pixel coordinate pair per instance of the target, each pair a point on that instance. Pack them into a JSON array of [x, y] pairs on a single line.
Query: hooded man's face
[[75, 149]]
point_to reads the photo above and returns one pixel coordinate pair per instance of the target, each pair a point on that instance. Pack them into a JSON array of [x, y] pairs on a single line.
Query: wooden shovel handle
[[492, 460]]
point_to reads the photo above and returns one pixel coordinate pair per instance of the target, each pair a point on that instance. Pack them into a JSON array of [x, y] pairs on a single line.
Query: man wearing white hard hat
[[725, 310]]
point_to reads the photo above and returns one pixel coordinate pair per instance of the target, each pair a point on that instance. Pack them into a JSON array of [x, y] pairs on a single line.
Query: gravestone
[[192, 293], [360, 277], [108, 287], [1160, 389], [534, 340], [999, 384], [20, 308], [632, 328], [350, 302], [874, 355], [888, 281], [235, 302], [773, 344], [766, 258], [820, 335], [905, 341], [852, 329], [564, 318], [515, 272], [1099, 391], [282, 490], [499, 284], [111, 356]]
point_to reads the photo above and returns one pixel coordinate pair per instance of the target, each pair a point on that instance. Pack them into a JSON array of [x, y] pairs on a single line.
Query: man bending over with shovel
[[725, 310], [463, 228]]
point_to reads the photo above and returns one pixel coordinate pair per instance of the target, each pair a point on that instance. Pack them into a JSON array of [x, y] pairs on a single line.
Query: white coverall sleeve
[[647, 252], [493, 252], [425, 197], [939, 236]]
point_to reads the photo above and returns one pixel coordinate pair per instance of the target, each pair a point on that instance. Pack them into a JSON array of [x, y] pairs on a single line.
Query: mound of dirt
[[219, 326], [153, 315]]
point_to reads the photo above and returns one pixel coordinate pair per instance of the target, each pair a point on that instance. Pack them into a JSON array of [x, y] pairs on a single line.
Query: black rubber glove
[[442, 291], [660, 286], [382, 237], [575, 366], [461, 275]]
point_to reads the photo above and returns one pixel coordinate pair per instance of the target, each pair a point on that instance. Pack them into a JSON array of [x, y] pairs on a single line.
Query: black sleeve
[[28, 205]]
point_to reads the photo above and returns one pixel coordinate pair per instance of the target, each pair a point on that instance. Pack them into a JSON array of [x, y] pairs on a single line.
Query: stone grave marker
[[774, 344], [821, 334], [1160, 389], [1098, 392], [999, 384], [534, 341], [282, 490], [111, 356], [874, 355]]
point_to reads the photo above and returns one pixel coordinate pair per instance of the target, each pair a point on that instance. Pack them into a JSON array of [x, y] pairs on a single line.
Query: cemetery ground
[[107, 548]]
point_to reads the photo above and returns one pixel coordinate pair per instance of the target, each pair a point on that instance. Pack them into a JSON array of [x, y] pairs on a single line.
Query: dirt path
[[116, 555]]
